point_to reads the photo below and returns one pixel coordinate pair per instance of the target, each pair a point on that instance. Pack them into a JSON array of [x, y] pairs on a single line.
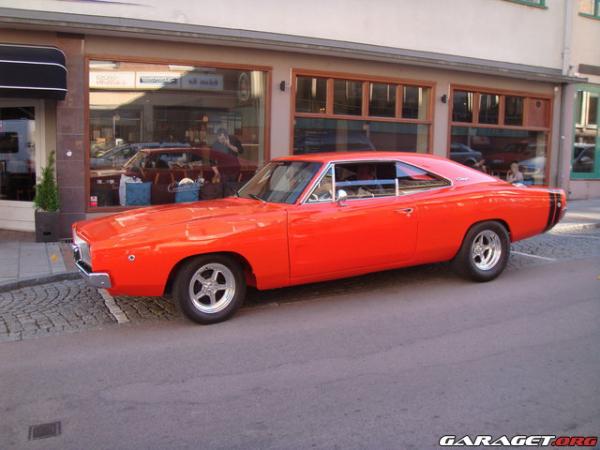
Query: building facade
[[152, 93]]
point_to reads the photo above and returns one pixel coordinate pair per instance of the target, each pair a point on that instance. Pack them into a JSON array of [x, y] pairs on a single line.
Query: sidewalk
[[24, 262], [581, 214]]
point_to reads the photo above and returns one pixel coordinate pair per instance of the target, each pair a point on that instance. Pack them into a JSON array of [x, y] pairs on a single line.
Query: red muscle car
[[310, 218]]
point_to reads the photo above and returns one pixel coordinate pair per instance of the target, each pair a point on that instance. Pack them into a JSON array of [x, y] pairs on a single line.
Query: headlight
[[84, 249]]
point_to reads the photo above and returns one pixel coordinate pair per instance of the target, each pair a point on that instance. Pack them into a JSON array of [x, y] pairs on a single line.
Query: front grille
[[81, 250]]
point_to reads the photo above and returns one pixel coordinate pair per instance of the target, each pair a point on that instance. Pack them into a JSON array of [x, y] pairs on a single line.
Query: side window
[[323, 191], [366, 179], [411, 178]]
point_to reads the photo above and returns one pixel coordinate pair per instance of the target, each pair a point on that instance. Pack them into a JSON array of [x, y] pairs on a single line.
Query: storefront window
[[347, 97], [462, 108], [586, 148], [17, 153], [333, 135], [493, 150], [155, 128], [382, 100], [415, 102], [489, 108], [311, 94], [515, 137], [513, 110], [397, 116]]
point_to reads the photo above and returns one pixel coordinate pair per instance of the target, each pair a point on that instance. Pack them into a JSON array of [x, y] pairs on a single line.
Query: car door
[[365, 231]]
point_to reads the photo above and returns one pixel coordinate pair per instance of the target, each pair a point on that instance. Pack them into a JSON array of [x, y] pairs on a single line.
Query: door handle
[[406, 211]]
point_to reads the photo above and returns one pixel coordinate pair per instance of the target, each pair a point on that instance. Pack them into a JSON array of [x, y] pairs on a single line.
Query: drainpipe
[[566, 103]]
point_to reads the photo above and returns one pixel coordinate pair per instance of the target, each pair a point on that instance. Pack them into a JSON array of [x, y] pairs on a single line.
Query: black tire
[[203, 310], [465, 264]]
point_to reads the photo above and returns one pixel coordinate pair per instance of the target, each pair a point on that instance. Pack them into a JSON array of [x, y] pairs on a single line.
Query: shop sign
[[158, 80], [202, 82], [112, 80]]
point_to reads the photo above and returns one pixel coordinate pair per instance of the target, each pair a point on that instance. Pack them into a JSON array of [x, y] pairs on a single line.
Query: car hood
[[150, 221]]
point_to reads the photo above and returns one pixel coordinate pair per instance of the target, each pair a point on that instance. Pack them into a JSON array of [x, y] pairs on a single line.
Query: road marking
[[533, 256], [114, 309]]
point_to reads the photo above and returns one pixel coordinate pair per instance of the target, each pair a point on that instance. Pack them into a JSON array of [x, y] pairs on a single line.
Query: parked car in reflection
[[499, 160], [160, 168], [310, 218], [584, 156], [321, 141], [464, 154], [115, 157], [534, 170]]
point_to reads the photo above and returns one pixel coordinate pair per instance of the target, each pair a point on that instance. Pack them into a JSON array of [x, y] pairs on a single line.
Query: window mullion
[[399, 91], [329, 97]]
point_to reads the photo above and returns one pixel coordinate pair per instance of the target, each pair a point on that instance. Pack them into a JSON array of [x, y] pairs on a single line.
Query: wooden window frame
[[164, 61], [541, 4], [366, 80], [527, 97], [595, 13]]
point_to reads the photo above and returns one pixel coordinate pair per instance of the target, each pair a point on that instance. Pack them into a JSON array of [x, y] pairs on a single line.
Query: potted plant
[[46, 205]]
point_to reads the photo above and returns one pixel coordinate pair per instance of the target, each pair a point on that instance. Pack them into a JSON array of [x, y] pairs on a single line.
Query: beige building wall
[[498, 30]]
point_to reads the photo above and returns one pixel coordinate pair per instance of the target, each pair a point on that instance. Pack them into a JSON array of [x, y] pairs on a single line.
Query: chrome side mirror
[[342, 196]]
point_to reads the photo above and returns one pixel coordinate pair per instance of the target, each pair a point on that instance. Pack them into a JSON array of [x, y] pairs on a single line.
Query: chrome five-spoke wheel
[[212, 288], [209, 288], [486, 250]]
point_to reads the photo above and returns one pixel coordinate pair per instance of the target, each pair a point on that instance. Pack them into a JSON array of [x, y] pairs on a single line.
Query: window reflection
[[17, 153], [347, 97], [202, 126], [513, 110], [311, 94], [382, 100], [493, 150], [489, 108], [462, 108], [586, 148], [415, 102], [331, 135]]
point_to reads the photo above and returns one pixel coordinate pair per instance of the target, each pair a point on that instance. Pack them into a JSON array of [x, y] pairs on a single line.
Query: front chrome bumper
[[95, 279]]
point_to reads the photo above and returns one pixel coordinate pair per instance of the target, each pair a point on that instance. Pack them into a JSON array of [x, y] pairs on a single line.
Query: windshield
[[280, 181]]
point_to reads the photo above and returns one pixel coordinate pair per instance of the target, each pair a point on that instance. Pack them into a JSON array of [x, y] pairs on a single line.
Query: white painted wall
[[585, 43], [491, 29]]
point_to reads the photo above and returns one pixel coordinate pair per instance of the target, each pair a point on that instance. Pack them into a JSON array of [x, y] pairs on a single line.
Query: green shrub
[[46, 191]]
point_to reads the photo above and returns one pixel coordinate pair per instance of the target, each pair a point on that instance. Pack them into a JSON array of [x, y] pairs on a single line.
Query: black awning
[[32, 72]]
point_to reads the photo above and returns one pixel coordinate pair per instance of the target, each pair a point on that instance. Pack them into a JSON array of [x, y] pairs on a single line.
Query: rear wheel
[[484, 252], [210, 288]]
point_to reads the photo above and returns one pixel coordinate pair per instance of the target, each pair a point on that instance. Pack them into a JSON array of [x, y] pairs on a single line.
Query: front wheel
[[484, 252], [210, 288]]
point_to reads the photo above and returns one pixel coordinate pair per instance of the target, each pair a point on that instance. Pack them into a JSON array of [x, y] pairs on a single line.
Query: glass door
[[585, 163], [19, 131]]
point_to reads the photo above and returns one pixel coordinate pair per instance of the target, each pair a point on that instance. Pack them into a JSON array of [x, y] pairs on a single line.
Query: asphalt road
[[394, 361]]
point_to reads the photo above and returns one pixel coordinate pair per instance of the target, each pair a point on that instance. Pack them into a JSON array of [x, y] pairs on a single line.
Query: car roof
[[433, 163]]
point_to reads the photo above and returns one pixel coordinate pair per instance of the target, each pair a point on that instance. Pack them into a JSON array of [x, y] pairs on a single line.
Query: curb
[[576, 226], [34, 281]]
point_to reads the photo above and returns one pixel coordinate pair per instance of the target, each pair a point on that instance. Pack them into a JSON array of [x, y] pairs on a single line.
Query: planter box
[[46, 226]]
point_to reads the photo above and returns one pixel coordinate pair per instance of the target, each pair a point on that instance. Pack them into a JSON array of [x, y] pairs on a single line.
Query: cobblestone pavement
[[50, 309], [71, 305]]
